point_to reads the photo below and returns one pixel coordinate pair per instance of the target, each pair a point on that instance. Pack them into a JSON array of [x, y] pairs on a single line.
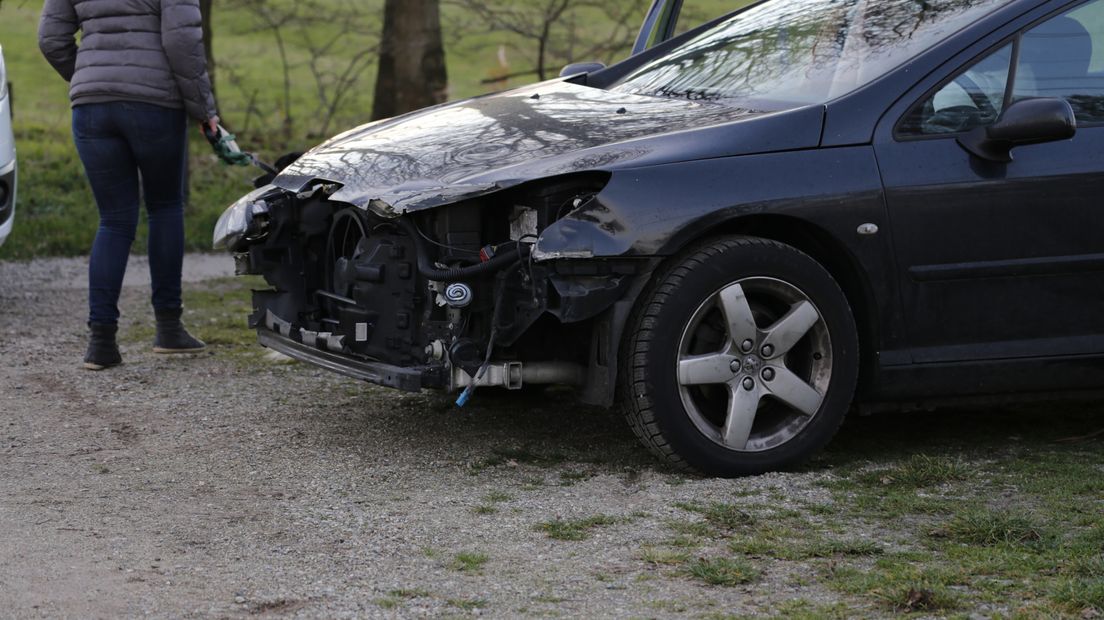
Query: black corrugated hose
[[505, 258]]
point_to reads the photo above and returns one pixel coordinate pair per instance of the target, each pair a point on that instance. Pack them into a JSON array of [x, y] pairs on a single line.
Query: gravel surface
[[204, 486]]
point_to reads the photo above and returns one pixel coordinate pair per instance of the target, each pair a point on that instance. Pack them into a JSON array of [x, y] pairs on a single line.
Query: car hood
[[460, 150]]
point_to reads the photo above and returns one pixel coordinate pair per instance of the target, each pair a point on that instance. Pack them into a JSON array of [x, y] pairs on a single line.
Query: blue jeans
[[123, 145]]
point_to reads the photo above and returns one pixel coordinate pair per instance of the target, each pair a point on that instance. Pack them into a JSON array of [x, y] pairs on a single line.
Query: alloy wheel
[[754, 364]]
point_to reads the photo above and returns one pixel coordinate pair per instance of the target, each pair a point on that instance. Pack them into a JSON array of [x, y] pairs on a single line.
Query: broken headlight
[[246, 219]]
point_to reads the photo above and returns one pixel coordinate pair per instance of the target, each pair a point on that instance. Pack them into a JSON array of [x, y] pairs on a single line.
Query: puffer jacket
[[130, 50]]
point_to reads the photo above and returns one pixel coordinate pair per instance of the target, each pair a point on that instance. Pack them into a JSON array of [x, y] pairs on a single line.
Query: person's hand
[[210, 126]]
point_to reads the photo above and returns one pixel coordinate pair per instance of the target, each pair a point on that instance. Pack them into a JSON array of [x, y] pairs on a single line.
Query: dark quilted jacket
[[130, 50]]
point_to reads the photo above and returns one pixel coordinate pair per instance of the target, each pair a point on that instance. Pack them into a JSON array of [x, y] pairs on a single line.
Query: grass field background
[[55, 212]]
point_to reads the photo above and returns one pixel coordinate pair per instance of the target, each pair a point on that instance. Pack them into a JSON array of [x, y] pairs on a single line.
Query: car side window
[[974, 98], [1064, 57]]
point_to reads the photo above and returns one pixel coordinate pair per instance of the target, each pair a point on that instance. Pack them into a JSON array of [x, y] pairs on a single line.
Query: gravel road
[[207, 487]]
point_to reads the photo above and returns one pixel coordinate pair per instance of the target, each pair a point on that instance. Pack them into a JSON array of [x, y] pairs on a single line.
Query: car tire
[[741, 358]]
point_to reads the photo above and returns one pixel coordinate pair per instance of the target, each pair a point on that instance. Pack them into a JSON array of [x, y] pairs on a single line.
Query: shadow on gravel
[[548, 429], [544, 428], [977, 432]]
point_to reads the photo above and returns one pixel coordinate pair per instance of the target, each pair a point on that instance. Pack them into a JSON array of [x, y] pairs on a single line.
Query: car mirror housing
[[1030, 121], [577, 68]]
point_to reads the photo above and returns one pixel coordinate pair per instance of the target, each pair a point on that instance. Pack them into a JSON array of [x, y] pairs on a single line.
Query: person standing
[[138, 73]]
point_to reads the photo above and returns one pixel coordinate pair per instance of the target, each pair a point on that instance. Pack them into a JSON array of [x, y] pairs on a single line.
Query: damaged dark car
[[736, 235]]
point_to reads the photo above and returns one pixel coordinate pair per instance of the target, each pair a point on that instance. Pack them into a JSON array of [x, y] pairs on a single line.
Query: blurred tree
[[559, 32], [306, 37], [412, 71]]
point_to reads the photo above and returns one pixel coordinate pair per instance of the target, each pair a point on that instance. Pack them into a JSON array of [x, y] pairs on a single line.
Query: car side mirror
[[576, 68], [1030, 121]]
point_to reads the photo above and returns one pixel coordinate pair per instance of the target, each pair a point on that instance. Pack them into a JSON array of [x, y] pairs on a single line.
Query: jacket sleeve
[[57, 31], [182, 38]]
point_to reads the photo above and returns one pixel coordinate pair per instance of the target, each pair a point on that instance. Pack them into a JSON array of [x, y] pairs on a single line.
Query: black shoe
[[103, 352], [171, 335]]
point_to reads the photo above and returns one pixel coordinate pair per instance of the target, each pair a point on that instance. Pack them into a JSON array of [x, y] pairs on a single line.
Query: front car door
[[1002, 261]]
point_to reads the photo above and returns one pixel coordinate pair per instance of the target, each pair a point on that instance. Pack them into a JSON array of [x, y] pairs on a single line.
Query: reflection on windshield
[[785, 53]]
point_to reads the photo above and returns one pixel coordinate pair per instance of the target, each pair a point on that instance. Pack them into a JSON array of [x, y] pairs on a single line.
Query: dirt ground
[[222, 486]]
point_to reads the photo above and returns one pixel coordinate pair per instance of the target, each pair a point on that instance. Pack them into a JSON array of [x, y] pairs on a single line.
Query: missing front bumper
[[408, 379]]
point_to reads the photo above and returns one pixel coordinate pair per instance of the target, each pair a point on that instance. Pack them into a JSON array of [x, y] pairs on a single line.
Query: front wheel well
[[831, 254]]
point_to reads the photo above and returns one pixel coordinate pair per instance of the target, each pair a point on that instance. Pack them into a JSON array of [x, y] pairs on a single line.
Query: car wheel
[[741, 358]]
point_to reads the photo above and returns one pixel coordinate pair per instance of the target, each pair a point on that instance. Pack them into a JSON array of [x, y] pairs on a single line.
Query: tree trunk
[[412, 72]]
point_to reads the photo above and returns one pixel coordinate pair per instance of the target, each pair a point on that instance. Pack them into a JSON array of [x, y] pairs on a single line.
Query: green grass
[[663, 557], [491, 501], [722, 516], [920, 471], [991, 527], [218, 314], [782, 543], [575, 529], [900, 585], [722, 571], [468, 562]]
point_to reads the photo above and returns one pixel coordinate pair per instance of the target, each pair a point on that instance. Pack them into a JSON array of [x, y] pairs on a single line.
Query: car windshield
[[787, 53]]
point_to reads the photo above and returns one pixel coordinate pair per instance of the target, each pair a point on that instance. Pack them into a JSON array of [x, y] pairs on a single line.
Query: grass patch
[[719, 515], [491, 501], [919, 471], [663, 557], [395, 598], [920, 599], [797, 546], [898, 583], [468, 562], [388, 602], [796, 539], [722, 571], [1082, 596], [691, 530], [575, 529], [990, 527], [835, 548]]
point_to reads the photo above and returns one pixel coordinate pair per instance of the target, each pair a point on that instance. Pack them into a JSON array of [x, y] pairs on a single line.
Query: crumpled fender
[[656, 210]]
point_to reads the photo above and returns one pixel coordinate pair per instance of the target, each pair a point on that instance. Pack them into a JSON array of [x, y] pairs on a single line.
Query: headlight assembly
[[245, 220]]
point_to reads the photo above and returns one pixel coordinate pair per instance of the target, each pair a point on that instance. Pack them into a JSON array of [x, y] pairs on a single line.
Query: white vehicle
[[7, 156]]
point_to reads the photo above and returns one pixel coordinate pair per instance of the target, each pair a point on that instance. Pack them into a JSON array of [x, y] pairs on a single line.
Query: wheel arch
[[827, 250]]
